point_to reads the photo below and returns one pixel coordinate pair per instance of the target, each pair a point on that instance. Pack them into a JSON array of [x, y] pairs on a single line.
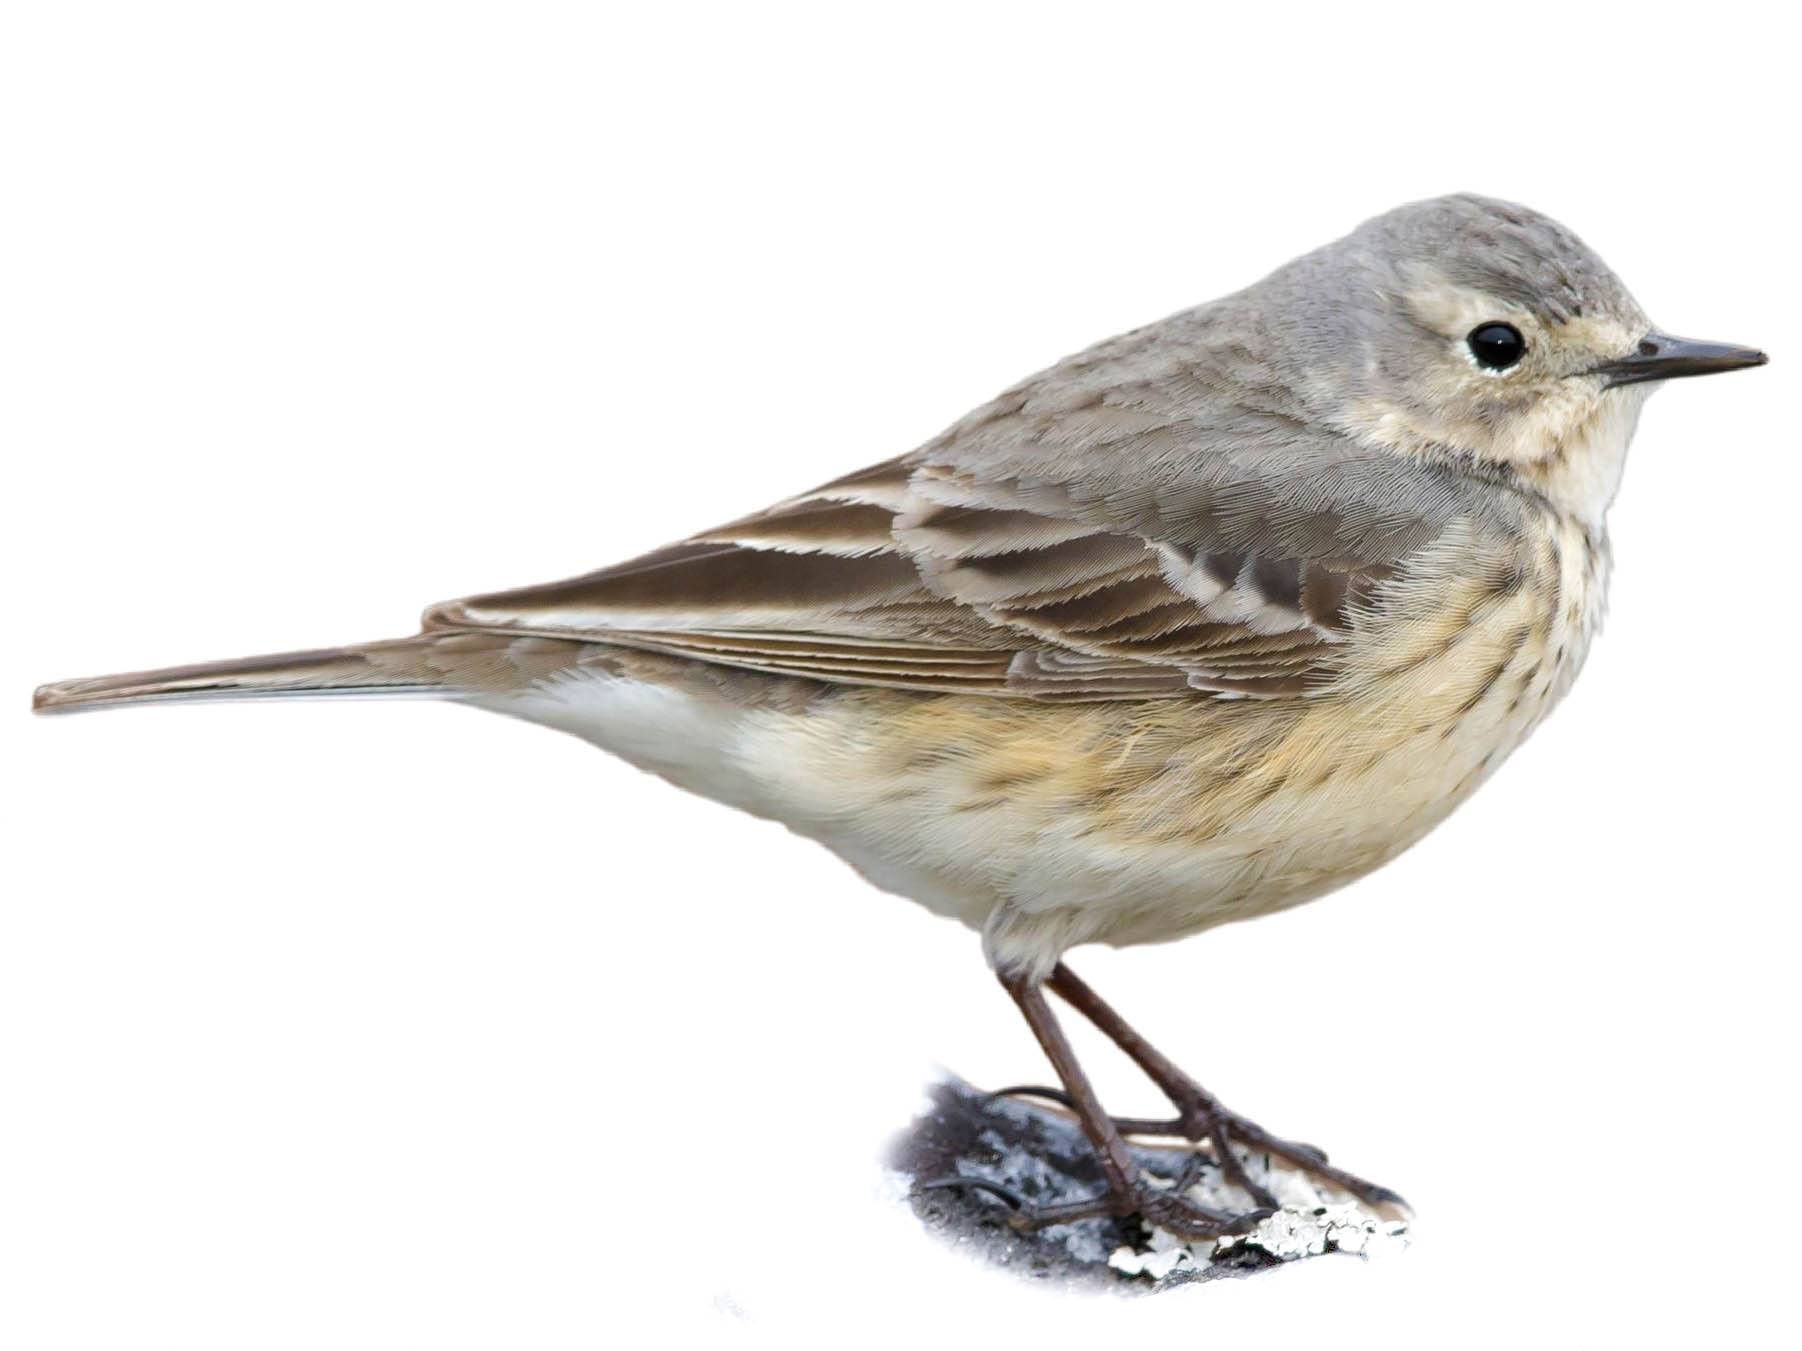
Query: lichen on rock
[[1039, 1154]]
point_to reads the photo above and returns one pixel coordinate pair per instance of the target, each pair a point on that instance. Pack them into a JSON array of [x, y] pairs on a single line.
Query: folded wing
[[1100, 532]]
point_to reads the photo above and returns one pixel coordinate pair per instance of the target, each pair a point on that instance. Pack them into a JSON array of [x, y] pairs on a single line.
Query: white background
[[366, 1025]]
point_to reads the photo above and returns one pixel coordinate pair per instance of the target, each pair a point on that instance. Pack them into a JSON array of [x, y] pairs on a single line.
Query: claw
[[1025, 1217], [1247, 1221], [1311, 1160], [1385, 1196], [1057, 1095], [958, 1182]]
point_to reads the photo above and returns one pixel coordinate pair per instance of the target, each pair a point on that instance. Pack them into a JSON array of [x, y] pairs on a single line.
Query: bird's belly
[[1105, 839]]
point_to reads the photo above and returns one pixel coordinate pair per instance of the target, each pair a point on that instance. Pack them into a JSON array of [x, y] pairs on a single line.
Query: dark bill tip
[[1662, 357]]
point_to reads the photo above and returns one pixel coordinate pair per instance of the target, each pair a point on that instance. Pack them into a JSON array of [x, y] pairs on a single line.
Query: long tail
[[436, 665]]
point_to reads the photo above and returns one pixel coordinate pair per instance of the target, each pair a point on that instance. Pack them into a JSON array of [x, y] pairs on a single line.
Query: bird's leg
[[1199, 1113], [1128, 1192]]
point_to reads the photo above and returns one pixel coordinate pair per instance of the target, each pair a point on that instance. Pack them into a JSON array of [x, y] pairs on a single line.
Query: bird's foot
[[1201, 1116], [1160, 1207]]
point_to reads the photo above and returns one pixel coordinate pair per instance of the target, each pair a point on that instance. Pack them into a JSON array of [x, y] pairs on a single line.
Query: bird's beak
[[1662, 357]]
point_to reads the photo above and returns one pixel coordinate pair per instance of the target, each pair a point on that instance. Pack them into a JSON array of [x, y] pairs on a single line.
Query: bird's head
[[1483, 331]]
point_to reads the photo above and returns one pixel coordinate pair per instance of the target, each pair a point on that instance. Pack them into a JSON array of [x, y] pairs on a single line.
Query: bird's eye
[[1496, 346]]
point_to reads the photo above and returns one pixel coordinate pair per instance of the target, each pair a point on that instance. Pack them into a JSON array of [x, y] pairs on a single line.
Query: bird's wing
[[1111, 543], [916, 575]]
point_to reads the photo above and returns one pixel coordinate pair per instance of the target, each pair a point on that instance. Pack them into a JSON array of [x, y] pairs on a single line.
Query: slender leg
[[1127, 1191], [1116, 1160], [1200, 1113]]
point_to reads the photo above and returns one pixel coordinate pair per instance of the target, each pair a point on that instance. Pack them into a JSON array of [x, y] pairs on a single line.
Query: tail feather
[[435, 665]]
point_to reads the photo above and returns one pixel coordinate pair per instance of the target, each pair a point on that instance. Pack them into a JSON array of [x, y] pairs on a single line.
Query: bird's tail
[[442, 665]]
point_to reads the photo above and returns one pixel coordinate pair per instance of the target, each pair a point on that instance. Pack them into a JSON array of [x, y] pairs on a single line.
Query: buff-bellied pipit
[[1197, 624]]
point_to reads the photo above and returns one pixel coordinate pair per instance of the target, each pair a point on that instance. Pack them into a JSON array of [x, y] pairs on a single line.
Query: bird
[[1200, 623]]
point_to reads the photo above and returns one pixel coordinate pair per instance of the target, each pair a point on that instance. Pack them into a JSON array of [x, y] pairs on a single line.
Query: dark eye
[[1496, 346]]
